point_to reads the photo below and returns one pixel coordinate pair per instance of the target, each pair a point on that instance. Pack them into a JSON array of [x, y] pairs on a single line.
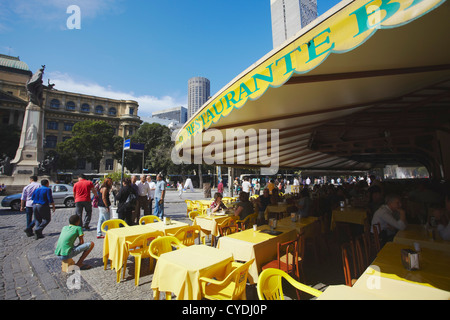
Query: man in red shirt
[[82, 194]]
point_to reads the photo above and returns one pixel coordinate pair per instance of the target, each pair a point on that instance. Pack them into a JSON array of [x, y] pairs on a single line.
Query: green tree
[[89, 141]]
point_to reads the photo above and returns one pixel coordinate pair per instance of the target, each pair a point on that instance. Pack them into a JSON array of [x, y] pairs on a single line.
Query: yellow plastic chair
[[158, 247], [230, 288], [193, 214], [149, 219], [112, 224], [164, 244], [269, 285], [227, 226], [248, 221], [191, 205], [188, 234], [139, 248]]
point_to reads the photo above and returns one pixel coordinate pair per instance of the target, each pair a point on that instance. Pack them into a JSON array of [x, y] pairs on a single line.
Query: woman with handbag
[[126, 204]]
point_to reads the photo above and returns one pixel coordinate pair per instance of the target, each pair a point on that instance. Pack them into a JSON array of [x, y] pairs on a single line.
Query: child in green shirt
[[66, 249]]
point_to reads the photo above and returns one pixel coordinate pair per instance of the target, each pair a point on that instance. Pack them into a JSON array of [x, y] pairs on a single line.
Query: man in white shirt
[[142, 199], [246, 186], [385, 217], [151, 196]]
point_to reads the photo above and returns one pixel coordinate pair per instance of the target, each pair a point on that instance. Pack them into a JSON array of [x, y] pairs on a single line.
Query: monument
[[31, 150]]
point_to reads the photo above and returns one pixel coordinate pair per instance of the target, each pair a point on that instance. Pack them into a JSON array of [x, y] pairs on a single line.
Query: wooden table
[[178, 271], [249, 244], [418, 233], [433, 273], [349, 215]]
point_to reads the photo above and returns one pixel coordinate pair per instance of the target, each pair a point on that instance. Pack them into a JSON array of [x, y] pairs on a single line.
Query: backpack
[[131, 200]]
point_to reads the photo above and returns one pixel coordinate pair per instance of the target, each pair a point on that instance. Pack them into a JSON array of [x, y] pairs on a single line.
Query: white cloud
[[147, 103]]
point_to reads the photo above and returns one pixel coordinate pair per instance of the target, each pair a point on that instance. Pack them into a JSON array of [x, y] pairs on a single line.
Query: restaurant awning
[[364, 85]]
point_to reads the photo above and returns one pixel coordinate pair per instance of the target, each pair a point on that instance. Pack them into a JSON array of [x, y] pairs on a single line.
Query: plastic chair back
[[193, 214], [112, 224], [227, 226], [269, 285], [230, 288], [164, 244], [188, 234], [149, 219]]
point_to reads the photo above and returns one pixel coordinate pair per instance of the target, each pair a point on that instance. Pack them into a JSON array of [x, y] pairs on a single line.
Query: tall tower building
[[198, 94], [289, 16]]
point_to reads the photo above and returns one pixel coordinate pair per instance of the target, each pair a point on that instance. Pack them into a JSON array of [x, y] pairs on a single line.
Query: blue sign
[[133, 147]]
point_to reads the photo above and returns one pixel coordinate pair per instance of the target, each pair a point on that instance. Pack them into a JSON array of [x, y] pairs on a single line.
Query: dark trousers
[[87, 205], [42, 217], [30, 220], [141, 202], [150, 205], [126, 215]]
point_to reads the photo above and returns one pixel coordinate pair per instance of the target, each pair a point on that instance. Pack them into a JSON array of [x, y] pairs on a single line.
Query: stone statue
[[35, 89]]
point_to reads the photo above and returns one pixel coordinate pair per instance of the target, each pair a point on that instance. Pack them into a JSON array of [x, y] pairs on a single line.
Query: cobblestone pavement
[[30, 271]]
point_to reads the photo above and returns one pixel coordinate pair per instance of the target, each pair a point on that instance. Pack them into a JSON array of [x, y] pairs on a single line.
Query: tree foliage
[[89, 141]]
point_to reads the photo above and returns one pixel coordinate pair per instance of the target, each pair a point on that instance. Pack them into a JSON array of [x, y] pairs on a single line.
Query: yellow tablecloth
[[178, 271], [418, 233], [303, 224], [434, 267], [114, 246], [343, 292], [249, 244], [168, 229], [209, 223], [348, 214]]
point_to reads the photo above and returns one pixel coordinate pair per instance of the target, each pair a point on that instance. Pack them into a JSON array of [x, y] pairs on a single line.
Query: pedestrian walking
[[82, 194], [26, 204], [159, 196], [104, 204], [42, 199]]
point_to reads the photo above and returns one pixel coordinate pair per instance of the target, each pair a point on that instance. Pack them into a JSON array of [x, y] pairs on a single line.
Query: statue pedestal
[[31, 150]]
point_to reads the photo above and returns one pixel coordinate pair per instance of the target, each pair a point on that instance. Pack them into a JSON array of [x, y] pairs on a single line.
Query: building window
[[99, 110], [50, 141], [55, 104], [68, 126], [109, 165], [52, 125], [70, 106], [131, 111], [112, 111], [85, 107], [130, 131]]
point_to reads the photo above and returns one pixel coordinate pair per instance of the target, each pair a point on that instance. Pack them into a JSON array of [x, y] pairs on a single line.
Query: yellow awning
[[345, 70]]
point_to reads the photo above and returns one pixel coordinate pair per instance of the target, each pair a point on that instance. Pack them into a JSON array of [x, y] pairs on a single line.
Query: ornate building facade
[[62, 110]]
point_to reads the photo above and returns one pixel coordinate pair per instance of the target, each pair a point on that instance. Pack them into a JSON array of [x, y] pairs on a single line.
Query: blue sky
[[145, 50]]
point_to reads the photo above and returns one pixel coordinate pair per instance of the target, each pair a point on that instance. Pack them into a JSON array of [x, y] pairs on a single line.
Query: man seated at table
[[385, 217], [304, 204], [244, 206], [261, 203], [217, 204], [65, 248]]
